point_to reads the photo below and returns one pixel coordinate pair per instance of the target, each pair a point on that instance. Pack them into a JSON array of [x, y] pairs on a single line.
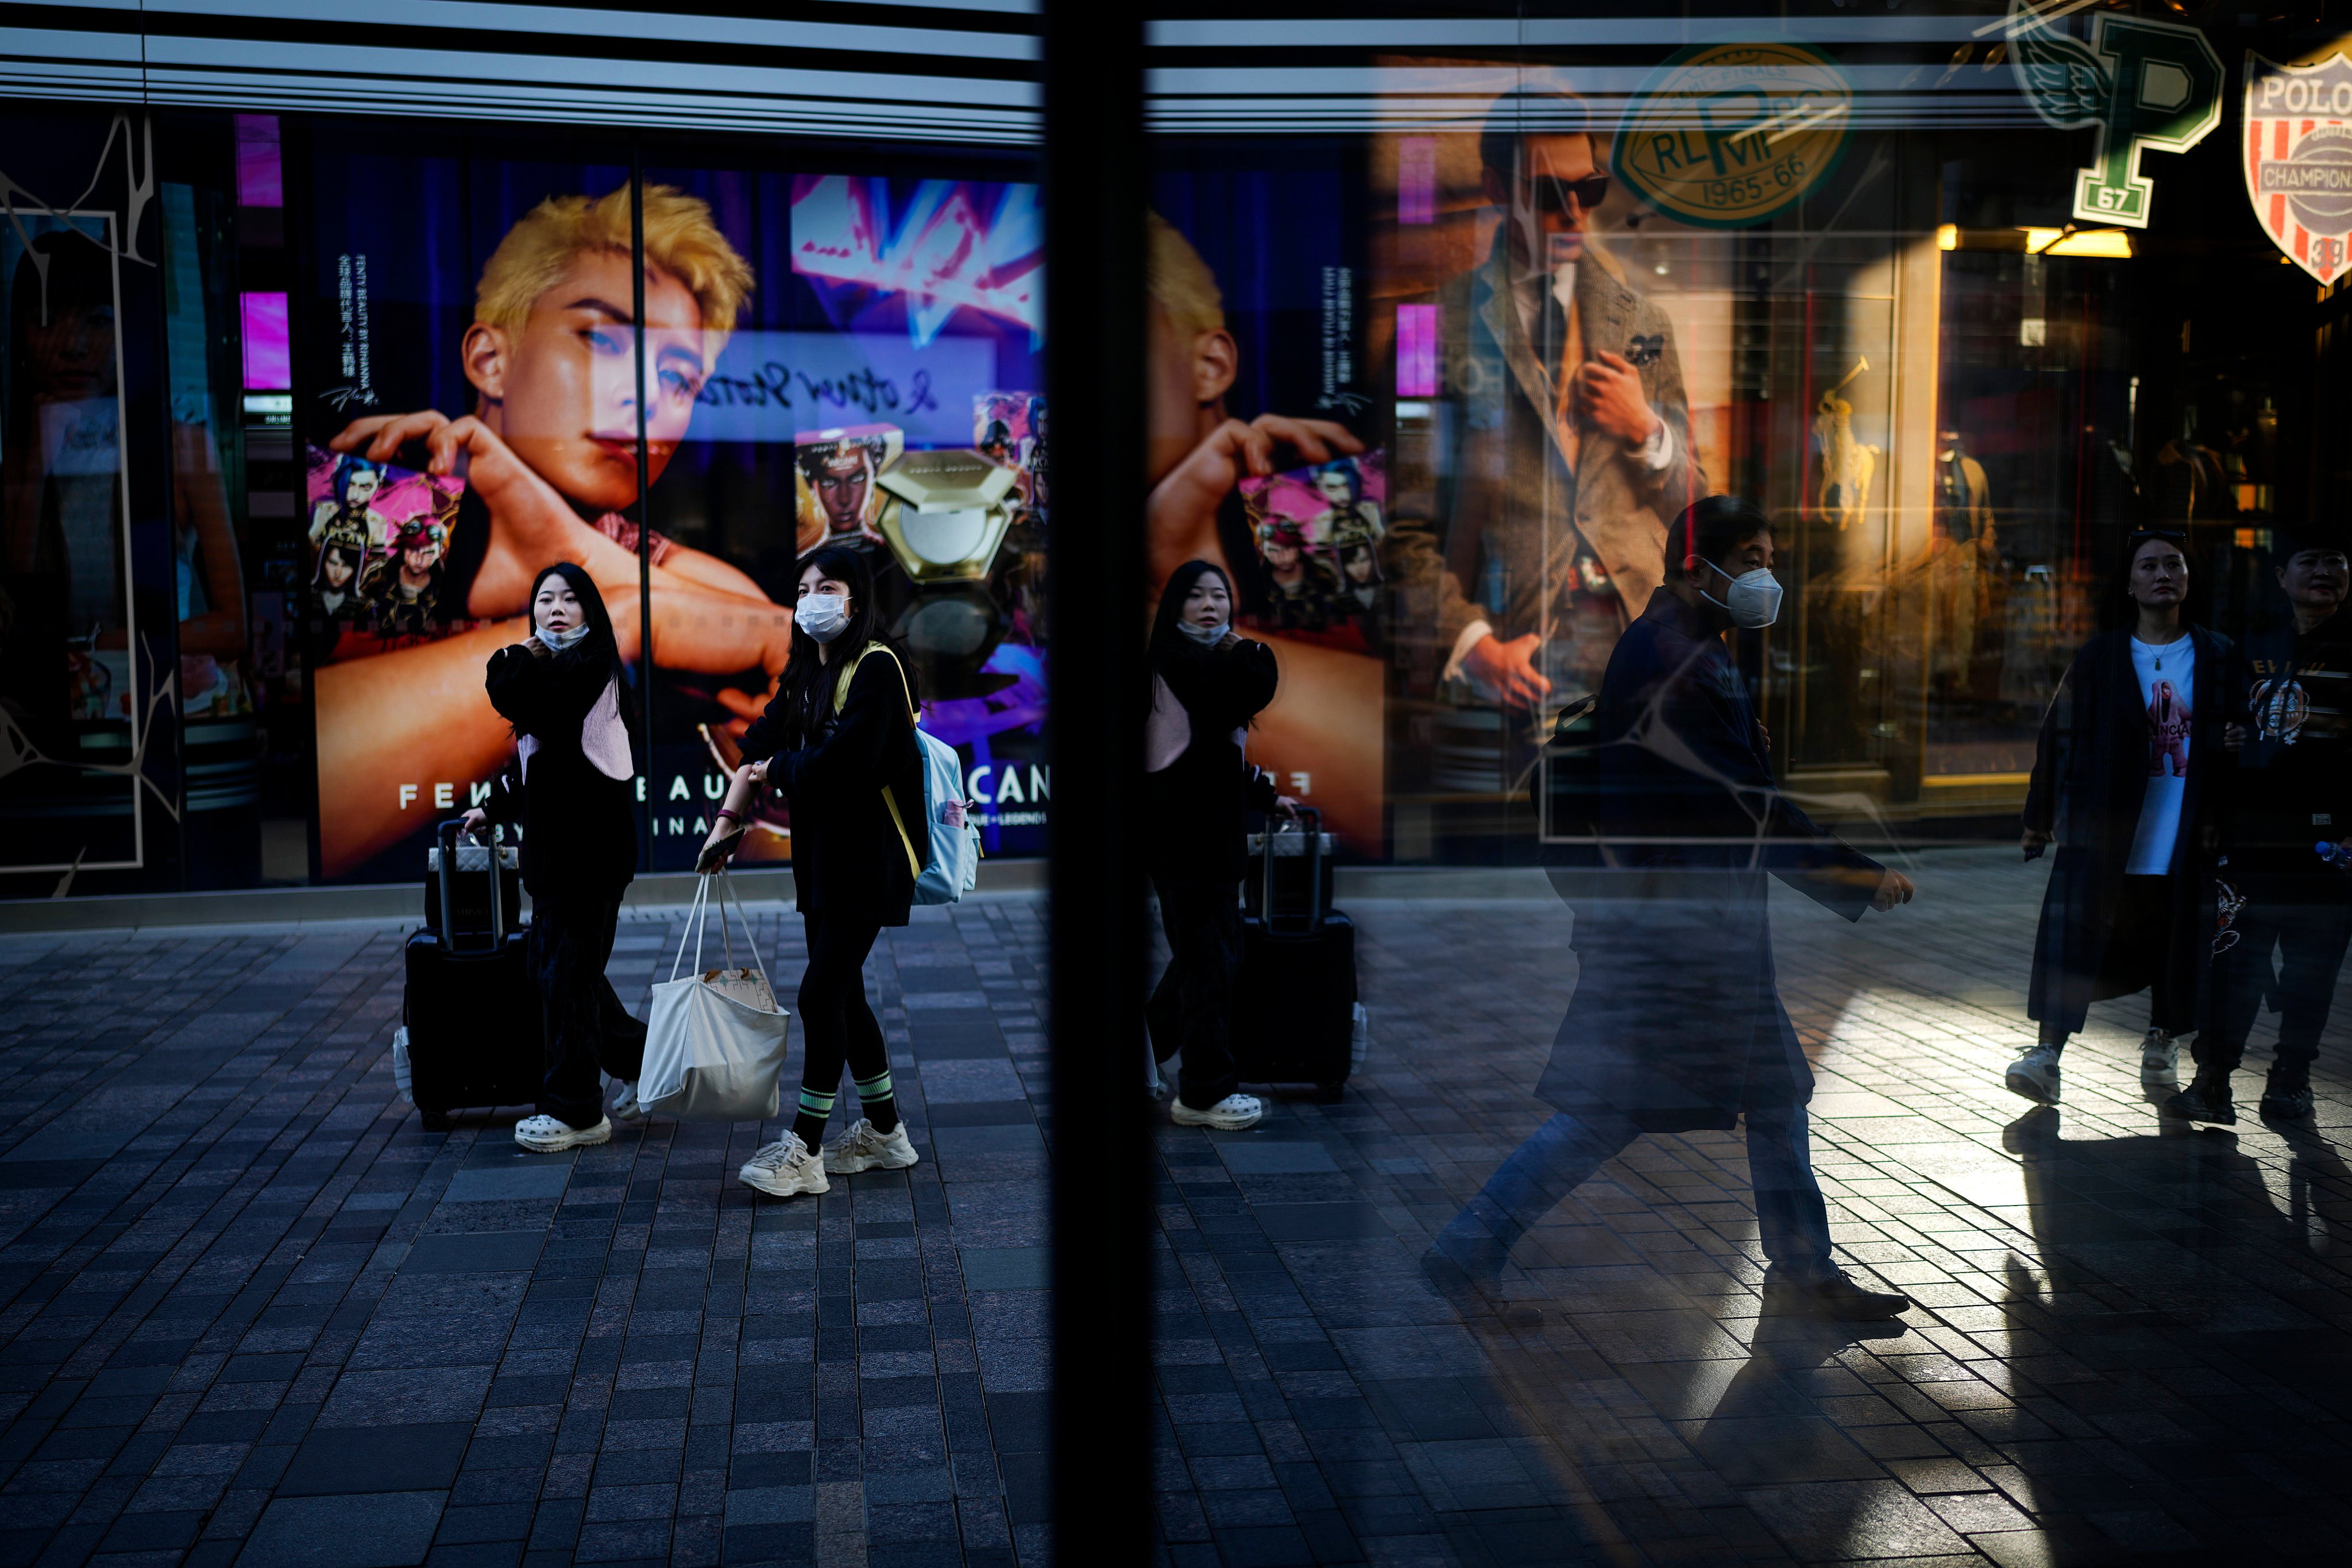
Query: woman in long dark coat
[[2126, 784]]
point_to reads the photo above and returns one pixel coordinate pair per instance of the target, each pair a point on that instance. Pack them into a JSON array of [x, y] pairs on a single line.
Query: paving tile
[[252, 1311], [384, 1529], [2062, 1259]]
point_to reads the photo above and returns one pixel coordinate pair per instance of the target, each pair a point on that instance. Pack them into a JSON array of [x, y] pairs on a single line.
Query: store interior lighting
[[2102, 244]]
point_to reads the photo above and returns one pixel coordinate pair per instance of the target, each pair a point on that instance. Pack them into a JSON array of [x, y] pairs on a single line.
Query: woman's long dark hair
[[2118, 610], [806, 696], [599, 648], [1165, 637]]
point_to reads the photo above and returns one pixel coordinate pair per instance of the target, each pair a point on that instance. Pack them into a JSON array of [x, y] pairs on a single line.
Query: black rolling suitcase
[[1296, 1018], [470, 1012]]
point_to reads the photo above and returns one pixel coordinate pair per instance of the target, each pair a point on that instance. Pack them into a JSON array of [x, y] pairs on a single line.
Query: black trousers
[[1192, 1008], [581, 1016], [2308, 917], [836, 1024]]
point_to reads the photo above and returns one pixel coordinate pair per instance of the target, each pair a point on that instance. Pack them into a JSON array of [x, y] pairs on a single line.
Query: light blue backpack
[[954, 865]]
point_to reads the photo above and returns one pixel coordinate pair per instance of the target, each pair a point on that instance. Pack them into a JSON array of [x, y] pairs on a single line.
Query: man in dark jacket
[[2292, 791], [1677, 1023]]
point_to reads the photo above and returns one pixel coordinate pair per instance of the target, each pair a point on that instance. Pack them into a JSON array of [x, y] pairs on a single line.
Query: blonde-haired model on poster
[[1327, 719], [551, 448]]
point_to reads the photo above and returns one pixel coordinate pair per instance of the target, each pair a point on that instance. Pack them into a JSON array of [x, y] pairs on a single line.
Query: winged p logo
[[2141, 84], [2299, 160]]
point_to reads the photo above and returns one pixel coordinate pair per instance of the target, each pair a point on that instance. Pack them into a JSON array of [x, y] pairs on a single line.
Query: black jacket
[[579, 827], [849, 858], [1197, 801], [2292, 784], [1677, 1022], [2090, 779]]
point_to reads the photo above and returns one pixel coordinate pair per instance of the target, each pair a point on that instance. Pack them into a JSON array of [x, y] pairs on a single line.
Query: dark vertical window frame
[[297, 243], [1095, 184], [644, 505]]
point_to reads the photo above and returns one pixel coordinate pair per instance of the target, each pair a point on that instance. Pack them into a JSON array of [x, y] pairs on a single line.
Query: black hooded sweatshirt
[[1198, 801], [579, 828]]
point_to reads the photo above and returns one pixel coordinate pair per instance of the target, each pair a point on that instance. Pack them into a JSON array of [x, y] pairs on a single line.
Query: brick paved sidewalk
[[251, 1312], [251, 1308], [2132, 1340]]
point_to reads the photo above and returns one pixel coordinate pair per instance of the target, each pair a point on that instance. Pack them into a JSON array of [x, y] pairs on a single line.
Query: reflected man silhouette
[[1676, 1023]]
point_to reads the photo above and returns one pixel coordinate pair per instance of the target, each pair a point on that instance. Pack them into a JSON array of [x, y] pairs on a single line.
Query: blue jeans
[[1793, 1221]]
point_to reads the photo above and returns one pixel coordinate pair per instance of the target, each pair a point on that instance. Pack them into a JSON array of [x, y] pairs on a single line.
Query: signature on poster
[[770, 386]]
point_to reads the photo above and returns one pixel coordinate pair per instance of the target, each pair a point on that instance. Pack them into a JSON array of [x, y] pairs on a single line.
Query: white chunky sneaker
[[785, 1168], [2034, 1075], [2159, 1055], [552, 1134], [625, 1103], [1230, 1114], [863, 1149]]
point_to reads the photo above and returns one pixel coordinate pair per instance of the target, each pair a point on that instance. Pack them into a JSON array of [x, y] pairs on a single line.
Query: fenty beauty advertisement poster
[[467, 400]]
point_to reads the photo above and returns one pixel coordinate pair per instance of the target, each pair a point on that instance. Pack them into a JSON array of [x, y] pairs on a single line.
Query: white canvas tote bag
[[715, 1043]]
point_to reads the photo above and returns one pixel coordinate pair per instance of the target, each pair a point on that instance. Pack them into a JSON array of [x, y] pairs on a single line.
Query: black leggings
[[837, 1026], [581, 1020]]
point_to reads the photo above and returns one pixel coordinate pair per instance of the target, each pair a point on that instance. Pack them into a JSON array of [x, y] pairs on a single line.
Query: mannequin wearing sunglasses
[[1571, 444]]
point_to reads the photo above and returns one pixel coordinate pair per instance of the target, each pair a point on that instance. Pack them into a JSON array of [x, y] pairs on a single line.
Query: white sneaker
[[863, 1149], [785, 1168], [1230, 1114], [552, 1134], [2159, 1055], [2034, 1075], [625, 1103]]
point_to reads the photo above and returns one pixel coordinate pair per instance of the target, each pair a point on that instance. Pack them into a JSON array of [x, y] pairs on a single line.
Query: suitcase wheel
[[433, 1121], [1331, 1093]]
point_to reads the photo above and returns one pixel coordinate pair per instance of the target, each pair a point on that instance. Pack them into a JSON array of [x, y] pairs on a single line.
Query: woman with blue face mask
[[838, 741], [571, 790], [1207, 684]]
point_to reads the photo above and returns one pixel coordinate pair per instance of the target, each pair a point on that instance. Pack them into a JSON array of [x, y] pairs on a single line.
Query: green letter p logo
[[2164, 90]]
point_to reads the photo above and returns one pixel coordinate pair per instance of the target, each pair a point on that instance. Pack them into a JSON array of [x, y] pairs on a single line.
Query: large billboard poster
[[1272, 332], [468, 390]]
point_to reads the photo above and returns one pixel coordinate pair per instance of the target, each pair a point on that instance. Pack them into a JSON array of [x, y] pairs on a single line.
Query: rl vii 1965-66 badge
[[2298, 155]]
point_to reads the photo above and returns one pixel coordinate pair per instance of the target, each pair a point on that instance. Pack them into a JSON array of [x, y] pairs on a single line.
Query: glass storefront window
[[1671, 464]]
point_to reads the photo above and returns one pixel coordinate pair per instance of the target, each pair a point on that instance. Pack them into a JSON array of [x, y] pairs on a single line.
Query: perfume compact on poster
[[834, 475], [950, 630], [952, 512]]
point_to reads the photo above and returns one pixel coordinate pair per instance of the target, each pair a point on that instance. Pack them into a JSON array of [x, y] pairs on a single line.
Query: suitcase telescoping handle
[[451, 830], [1309, 821]]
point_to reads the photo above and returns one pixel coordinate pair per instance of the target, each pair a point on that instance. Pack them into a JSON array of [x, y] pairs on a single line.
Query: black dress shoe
[[2286, 1099], [1835, 1297], [2206, 1098]]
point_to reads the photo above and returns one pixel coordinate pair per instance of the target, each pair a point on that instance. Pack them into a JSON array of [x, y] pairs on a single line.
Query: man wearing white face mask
[[1676, 1023]]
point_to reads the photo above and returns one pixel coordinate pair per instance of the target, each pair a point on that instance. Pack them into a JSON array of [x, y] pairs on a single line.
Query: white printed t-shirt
[[2170, 695]]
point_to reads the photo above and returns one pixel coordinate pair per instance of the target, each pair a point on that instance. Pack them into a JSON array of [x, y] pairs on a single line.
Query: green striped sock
[[814, 1104], [879, 1101]]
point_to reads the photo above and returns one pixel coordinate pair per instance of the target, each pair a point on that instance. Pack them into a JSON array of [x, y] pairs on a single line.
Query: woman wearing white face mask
[[1207, 684], [839, 742], [570, 788]]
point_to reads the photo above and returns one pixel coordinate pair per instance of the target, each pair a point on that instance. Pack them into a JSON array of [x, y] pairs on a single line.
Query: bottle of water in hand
[[2335, 854]]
